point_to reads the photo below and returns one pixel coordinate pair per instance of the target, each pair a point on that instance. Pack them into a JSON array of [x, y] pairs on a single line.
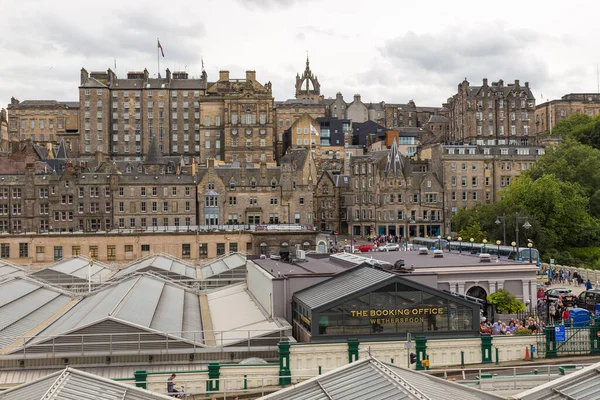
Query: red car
[[364, 248]]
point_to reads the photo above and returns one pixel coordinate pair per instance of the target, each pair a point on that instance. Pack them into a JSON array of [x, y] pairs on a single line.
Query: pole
[[158, 56], [517, 233], [504, 227]]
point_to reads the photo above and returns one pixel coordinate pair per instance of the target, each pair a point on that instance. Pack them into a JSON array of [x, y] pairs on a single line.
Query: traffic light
[[413, 358]]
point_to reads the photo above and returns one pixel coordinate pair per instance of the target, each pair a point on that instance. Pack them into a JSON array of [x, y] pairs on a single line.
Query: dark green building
[[368, 303]]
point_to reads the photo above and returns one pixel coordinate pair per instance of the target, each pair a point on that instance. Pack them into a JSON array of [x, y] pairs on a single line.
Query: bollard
[[532, 351], [319, 370], [497, 361], [462, 358], [245, 382]]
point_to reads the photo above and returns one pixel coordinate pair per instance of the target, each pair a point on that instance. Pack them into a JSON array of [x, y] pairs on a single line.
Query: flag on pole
[[313, 130], [161, 49]]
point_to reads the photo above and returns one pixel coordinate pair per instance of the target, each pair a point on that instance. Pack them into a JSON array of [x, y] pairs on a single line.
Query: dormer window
[[128, 169], [140, 169], [169, 169], [211, 186], [232, 185], [273, 184], [253, 184]]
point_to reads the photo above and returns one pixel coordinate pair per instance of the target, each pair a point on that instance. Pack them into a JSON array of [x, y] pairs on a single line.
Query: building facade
[[393, 195], [550, 113], [492, 114], [42, 121], [3, 131]]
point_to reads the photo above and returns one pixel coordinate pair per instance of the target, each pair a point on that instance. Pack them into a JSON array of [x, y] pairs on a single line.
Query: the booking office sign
[[400, 315]]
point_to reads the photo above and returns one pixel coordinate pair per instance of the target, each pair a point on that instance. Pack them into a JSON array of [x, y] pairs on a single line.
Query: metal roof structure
[[340, 285], [8, 270], [224, 266], [25, 304], [164, 265], [74, 271], [246, 320], [153, 313], [77, 385], [580, 385], [369, 378]]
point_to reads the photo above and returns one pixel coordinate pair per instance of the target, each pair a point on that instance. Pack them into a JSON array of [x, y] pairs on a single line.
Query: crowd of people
[[534, 324]]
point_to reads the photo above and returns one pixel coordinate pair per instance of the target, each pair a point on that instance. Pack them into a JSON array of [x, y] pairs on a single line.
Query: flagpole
[[158, 57]]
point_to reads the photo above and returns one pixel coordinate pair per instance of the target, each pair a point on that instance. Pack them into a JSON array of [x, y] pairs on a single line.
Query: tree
[[566, 127], [505, 302], [472, 231]]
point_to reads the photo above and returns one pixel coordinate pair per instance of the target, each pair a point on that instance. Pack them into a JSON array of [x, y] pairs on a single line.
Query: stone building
[[243, 194], [4, 143], [473, 174], [492, 114], [190, 116], [356, 111], [550, 113], [393, 195], [408, 115], [327, 197], [42, 121]]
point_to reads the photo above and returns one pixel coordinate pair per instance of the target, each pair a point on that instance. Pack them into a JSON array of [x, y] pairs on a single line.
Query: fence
[[577, 340]]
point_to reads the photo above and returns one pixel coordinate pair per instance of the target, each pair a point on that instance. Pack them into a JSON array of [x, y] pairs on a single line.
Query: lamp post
[[530, 245], [498, 243], [449, 239], [513, 244], [459, 245], [484, 242], [439, 242], [471, 240], [502, 220], [526, 225]]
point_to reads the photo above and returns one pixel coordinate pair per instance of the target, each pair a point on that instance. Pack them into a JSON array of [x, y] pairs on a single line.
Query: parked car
[[363, 248], [389, 247], [588, 299], [568, 297]]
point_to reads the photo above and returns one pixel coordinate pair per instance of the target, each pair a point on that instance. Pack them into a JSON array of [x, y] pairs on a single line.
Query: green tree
[[505, 302], [472, 231], [575, 123]]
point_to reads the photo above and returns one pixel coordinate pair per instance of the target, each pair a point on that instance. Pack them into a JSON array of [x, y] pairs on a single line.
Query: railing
[[141, 343]]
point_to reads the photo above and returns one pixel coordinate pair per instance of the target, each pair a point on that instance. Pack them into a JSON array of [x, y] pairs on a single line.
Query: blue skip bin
[[580, 317]]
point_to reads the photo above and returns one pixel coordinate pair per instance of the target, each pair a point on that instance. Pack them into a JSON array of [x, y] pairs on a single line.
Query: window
[[273, 200], [40, 250], [76, 250], [111, 253], [220, 249], [203, 250], [23, 250], [233, 247], [232, 200], [145, 247], [128, 248], [4, 250], [185, 250], [301, 201]]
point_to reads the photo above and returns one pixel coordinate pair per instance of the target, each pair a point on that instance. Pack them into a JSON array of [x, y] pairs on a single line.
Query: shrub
[[523, 331]]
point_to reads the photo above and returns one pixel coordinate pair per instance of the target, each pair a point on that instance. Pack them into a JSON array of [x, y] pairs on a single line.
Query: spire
[[394, 161], [307, 62], [154, 156]]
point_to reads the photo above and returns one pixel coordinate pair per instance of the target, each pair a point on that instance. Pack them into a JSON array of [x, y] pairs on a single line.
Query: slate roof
[[8, 270], [370, 378], [225, 264], [72, 384], [437, 119], [154, 156], [61, 151], [70, 104], [309, 102], [299, 156], [582, 385]]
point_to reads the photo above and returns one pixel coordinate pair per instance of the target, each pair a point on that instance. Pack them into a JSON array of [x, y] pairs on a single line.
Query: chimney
[[516, 83], [250, 75], [485, 82], [99, 158], [210, 163], [338, 95], [146, 75], [14, 100], [501, 83], [168, 75], [357, 98], [84, 76], [263, 169], [223, 75], [527, 85]]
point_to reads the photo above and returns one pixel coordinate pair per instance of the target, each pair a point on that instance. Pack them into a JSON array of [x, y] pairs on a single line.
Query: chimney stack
[[527, 85], [84, 76], [485, 82], [250, 75], [223, 75], [516, 83]]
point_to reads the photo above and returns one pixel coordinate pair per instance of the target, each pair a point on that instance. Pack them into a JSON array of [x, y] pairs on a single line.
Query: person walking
[[588, 285]]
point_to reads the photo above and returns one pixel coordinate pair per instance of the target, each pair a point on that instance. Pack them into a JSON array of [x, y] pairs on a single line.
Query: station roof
[[144, 304], [167, 266], [372, 379], [25, 304], [583, 384], [311, 266], [247, 317], [450, 259], [73, 384], [225, 264], [74, 271], [8, 270]]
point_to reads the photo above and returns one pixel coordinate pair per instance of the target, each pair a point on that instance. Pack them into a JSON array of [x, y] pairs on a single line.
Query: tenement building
[[550, 113], [492, 114], [473, 174], [409, 114], [226, 120], [393, 195], [42, 120]]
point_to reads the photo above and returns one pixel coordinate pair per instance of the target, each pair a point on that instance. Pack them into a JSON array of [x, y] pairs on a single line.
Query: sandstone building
[[550, 113]]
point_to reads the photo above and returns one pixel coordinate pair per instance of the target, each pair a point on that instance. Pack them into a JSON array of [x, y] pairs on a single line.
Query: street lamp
[[530, 245], [449, 239], [498, 243], [484, 242], [459, 245], [439, 242], [526, 225], [471, 240], [513, 244], [502, 220]]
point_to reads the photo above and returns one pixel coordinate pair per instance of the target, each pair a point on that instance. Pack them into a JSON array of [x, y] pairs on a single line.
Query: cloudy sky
[[386, 50]]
